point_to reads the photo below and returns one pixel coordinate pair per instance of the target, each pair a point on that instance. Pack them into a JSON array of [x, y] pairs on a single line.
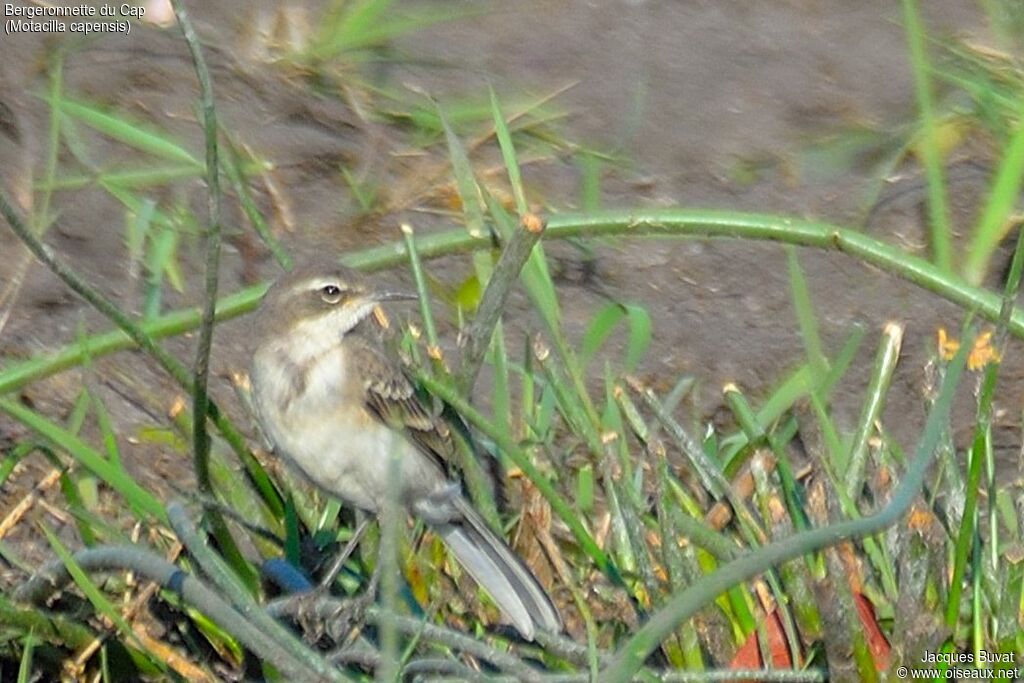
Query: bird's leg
[[349, 612], [306, 612], [346, 552]]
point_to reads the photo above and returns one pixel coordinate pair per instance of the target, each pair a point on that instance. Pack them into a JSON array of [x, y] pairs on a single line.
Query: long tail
[[500, 572]]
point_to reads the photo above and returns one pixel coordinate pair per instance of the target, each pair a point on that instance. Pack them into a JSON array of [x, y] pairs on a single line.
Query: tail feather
[[500, 572]]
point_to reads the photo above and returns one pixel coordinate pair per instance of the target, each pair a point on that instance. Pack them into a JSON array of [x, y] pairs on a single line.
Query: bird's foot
[[348, 615], [320, 614]]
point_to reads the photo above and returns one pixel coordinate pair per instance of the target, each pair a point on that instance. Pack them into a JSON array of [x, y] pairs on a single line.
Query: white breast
[[325, 432]]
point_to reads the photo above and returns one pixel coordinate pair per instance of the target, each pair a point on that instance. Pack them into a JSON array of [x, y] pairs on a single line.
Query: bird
[[337, 403]]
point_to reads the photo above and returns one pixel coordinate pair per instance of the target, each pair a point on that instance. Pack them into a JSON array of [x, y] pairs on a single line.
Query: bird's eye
[[330, 293]]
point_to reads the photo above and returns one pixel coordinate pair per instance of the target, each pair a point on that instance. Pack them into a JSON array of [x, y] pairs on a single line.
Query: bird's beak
[[382, 297]]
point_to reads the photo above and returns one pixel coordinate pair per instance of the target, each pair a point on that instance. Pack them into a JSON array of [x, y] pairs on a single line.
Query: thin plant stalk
[[426, 312], [881, 376], [201, 369]]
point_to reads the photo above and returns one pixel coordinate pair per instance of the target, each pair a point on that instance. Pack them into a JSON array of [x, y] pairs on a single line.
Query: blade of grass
[[878, 387], [143, 502], [28, 644], [133, 203], [469, 191], [133, 135], [813, 346], [501, 396], [508, 153], [124, 178], [1004, 191], [55, 94], [365, 24], [938, 211], [137, 229], [426, 312], [234, 169], [162, 249], [80, 491], [604, 323]]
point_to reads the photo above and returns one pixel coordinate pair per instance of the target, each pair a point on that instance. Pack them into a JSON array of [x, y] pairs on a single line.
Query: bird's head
[[322, 302]]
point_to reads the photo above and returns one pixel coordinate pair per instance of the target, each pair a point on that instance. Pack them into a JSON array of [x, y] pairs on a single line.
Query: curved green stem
[[712, 223], [641, 223]]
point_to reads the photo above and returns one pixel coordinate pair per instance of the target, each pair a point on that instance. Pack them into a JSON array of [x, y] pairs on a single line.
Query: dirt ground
[[689, 92]]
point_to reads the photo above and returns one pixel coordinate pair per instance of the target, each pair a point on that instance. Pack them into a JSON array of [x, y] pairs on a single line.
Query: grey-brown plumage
[[337, 405]]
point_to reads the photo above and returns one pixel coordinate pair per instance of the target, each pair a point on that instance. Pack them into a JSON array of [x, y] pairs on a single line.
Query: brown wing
[[392, 397]]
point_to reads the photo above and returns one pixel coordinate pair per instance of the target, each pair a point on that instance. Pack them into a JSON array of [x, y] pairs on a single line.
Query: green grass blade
[[25, 665], [366, 24], [426, 311], [133, 135], [137, 230], [162, 249], [508, 153], [501, 397], [641, 331], [95, 596], [134, 178], [995, 219], [137, 205], [813, 346], [235, 168], [874, 402], [465, 182], [938, 211], [55, 93], [140, 499], [604, 323]]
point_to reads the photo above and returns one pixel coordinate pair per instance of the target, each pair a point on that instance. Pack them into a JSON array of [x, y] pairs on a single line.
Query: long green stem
[[730, 224], [212, 235], [646, 223]]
